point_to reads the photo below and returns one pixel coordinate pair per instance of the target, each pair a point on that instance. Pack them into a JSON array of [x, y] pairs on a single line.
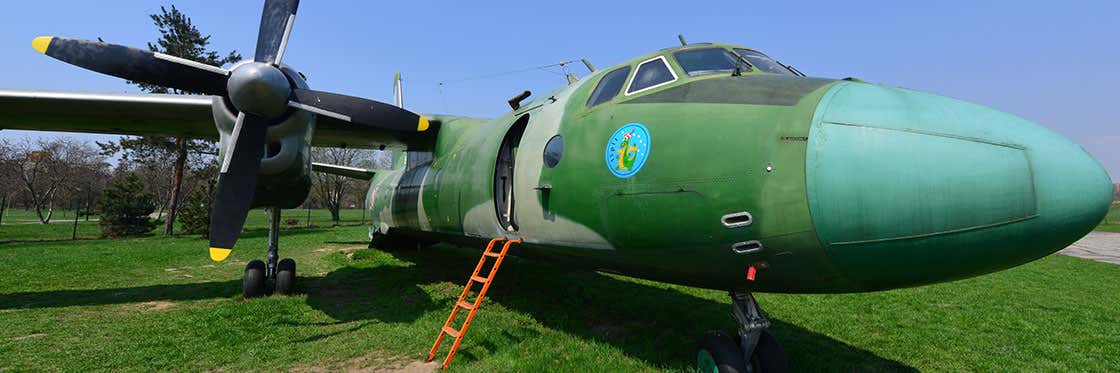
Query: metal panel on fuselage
[[705, 160]]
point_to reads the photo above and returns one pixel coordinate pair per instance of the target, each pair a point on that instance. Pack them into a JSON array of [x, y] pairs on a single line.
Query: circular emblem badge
[[628, 149]]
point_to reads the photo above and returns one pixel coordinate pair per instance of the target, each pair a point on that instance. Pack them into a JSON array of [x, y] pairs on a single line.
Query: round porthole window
[[553, 151]]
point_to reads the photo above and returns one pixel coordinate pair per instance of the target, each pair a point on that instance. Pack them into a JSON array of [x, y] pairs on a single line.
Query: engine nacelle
[[284, 179]]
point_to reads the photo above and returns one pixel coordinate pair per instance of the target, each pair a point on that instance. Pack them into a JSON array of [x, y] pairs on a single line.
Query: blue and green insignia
[[628, 150]]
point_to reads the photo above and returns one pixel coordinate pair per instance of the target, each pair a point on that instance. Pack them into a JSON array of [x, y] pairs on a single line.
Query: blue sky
[[1053, 63]]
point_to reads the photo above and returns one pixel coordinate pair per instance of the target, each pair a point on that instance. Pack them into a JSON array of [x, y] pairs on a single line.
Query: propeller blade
[[276, 26], [359, 111], [236, 184], [135, 64]]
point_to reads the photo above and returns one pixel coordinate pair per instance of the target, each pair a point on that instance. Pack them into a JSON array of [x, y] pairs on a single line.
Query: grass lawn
[[23, 225], [1111, 221], [158, 303]]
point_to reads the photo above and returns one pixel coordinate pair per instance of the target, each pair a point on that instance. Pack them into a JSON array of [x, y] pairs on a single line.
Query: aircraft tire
[[286, 276], [768, 355], [717, 352], [252, 285]]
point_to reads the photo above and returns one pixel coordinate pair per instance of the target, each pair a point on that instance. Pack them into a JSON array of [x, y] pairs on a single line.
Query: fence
[[18, 224]]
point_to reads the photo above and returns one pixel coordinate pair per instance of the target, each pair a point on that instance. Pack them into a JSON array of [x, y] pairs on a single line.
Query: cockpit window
[[763, 63], [708, 61], [609, 86], [652, 73]]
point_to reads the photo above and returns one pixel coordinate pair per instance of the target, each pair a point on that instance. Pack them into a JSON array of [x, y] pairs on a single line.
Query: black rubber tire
[[724, 352], [252, 285], [768, 356], [286, 276]]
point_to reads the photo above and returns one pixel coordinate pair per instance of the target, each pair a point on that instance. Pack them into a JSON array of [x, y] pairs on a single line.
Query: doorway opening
[[503, 173]]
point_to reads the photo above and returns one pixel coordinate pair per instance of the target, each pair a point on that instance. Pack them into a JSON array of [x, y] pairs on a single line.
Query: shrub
[[194, 214], [125, 208]]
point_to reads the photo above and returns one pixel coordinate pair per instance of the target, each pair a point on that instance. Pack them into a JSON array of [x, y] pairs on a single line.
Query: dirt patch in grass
[[153, 306], [344, 249], [29, 336], [374, 362]]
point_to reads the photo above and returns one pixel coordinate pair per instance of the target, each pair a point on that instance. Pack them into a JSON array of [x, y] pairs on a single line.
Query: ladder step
[[472, 307], [451, 331]]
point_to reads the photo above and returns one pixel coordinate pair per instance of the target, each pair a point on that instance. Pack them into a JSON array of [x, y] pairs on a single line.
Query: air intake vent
[[747, 247], [738, 219]]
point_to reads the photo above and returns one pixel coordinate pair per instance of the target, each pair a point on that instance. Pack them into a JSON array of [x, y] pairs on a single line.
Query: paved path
[[1099, 246]]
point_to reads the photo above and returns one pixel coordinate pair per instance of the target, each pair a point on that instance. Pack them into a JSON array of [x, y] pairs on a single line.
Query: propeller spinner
[[259, 90]]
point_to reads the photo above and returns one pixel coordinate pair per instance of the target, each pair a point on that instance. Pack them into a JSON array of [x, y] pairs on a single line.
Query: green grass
[[23, 225], [158, 303], [1111, 221]]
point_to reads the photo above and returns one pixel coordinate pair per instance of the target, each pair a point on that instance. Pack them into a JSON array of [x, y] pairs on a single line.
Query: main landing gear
[[754, 349], [264, 278]]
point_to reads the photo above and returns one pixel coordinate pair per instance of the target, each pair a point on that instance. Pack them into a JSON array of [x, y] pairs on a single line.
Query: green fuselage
[[849, 186]]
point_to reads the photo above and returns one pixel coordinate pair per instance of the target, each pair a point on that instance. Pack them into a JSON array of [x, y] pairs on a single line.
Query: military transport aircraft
[[709, 165]]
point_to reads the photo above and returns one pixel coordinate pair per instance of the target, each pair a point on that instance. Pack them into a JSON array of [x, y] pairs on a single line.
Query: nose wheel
[[754, 350], [263, 278]]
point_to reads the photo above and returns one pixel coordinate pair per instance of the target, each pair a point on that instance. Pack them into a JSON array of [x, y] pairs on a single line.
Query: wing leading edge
[[109, 113], [173, 115]]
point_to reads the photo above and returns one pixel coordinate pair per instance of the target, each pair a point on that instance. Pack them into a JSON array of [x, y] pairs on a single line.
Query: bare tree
[[329, 190], [46, 167], [8, 184]]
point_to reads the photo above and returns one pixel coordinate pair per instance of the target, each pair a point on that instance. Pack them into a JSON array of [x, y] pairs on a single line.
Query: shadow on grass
[[656, 324], [93, 297], [11, 242]]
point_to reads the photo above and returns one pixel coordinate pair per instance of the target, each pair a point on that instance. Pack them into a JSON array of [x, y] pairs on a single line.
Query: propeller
[[236, 184], [137, 65], [260, 91]]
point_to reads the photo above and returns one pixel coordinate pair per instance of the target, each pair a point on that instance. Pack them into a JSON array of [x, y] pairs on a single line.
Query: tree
[[126, 207], [200, 199], [46, 167], [196, 213], [329, 190], [178, 37], [8, 184]]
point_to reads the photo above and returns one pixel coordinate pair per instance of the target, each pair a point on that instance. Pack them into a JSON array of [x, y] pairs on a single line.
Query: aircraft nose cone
[[907, 188]]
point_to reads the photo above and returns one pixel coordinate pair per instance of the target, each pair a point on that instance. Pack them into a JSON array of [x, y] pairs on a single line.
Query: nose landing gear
[[265, 278], [755, 349]]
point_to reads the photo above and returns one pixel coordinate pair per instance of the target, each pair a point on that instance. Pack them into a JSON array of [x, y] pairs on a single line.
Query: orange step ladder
[[472, 307]]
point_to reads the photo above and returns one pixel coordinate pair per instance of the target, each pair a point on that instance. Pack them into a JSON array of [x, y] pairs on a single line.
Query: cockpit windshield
[[763, 63], [708, 61]]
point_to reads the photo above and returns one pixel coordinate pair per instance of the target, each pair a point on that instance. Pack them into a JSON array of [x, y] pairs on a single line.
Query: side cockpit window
[[763, 63], [705, 61], [609, 86], [652, 73]]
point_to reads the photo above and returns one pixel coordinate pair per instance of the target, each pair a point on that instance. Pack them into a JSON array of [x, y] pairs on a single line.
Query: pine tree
[[178, 37], [195, 218], [125, 208]]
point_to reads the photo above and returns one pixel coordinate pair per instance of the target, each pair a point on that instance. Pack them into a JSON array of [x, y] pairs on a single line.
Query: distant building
[[1116, 192]]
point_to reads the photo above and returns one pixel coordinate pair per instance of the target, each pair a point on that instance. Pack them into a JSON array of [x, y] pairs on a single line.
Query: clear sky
[[1054, 63]]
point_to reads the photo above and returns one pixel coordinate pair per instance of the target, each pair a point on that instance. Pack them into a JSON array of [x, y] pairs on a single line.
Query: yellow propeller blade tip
[[41, 43], [423, 125], [219, 254]]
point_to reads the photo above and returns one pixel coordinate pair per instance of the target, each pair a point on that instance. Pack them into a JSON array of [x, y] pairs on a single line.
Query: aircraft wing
[[347, 171], [168, 115], [110, 113]]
